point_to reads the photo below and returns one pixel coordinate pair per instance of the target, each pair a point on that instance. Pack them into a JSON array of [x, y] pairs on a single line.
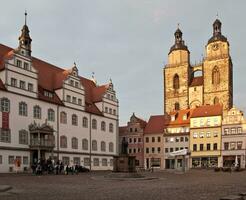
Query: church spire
[[217, 33], [25, 39]]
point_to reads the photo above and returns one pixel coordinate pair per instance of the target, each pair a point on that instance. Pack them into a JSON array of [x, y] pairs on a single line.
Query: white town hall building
[[49, 111]]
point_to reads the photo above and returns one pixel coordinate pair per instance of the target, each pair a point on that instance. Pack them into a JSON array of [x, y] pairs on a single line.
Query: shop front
[[204, 162]]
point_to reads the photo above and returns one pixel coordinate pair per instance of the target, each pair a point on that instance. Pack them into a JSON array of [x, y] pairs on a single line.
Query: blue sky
[[127, 41]]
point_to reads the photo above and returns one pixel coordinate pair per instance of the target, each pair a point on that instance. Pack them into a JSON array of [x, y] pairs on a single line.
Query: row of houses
[[202, 137]]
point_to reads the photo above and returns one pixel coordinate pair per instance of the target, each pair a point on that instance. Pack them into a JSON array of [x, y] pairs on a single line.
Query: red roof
[[182, 117], [197, 81], [51, 77], [208, 110], [156, 124]]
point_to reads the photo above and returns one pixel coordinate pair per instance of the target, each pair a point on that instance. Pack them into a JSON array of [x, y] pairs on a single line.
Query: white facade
[[99, 129]]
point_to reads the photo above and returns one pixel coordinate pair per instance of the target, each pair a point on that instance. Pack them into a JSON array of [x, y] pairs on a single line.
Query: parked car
[[83, 169]]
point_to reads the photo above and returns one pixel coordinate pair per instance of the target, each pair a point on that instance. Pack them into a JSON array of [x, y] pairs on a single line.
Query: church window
[[176, 81], [215, 76], [176, 106]]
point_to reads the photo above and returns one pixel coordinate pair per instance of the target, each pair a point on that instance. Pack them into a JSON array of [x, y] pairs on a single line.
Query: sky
[[126, 40]]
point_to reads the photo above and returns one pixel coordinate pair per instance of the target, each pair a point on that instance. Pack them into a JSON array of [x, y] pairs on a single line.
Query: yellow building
[[205, 136]]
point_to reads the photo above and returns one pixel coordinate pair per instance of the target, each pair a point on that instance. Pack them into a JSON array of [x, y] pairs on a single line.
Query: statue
[[124, 146]]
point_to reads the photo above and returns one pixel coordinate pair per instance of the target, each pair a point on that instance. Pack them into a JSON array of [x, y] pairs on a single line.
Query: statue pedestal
[[124, 163]]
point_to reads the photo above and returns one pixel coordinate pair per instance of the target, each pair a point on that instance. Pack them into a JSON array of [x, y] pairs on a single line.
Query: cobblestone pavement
[[194, 185]]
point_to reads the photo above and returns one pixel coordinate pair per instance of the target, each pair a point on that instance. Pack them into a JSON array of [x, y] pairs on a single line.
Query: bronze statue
[[124, 146]]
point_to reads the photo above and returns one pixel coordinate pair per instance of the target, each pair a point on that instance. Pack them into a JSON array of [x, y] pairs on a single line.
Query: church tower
[[176, 75], [217, 69]]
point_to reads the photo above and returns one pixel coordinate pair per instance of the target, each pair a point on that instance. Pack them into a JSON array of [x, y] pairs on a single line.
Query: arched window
[[216, 100], [176, 106], [22, 109], [215, 76], [94, 124], [103, 146], [103, 126], [74, 143], [51, 115], [94, 145], [176, 82], [85, 144], [74, 120], [23, 137], [5, 105], [111, 147], [63, 117], [111, 128], [37, 112], [85, 122], [63, 141]]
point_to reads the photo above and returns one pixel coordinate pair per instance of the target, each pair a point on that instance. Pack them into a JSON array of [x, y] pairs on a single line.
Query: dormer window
[[172, 118], [185, 117], [26, 66], [48, 94], [72, 82], [74, 99], [108, 96], [76, 84]]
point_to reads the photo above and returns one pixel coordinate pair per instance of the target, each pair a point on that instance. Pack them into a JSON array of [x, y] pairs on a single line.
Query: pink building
[[133, 133]]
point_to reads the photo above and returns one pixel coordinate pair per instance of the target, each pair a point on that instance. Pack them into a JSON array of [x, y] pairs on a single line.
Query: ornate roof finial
[[25, 16], [110, 81], [74, 64]]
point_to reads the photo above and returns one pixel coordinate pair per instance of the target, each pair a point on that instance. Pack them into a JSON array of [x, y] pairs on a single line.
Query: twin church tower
[[207, 83]]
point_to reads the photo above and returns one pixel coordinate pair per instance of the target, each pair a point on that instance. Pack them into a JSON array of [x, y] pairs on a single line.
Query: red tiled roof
[[179, 120], [197, 81], [156, 124], [51, 78], [142, 122], [208, 110]]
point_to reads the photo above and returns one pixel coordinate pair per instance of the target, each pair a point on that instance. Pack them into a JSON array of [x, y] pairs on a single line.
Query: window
[[147, 150], [48, 94], [85, 144], [226, 145], [5, 135], [103, 126], [146, 139], [195, 135], [30, 87], [5, 105], [171, 139], [106, 109], [139, 140], [96, 161], [80, 102], [110, 110], [63, 117], [166, 150], [85, 122], [18, 63], [103, 146], [74, 143], [130, 140], [74, 120], [76, 84], [26, 66], [215, 76], [94, 124], [201, 135], [63, 141], [65, 160], [111, 147], [76, 160], [104, 162], [22, 109], [208, 122], [94, 145], [186, 139], [153, 139], [153, 149], [215, 134], [159, 139], [215, 146], [177, 139], [136, 130], [51, 115], [74, 100], [194, 147], [135, 140], [194, 123], [130, 129], [68, 98], [171, 149], [233, 131], [181, 139], [176, 82], [130, 150], [208, 147], [87, 161], [208, 135], [239, 145], [36, 112], [134, 150], [226, 131], [25, 160], [239, 130], [201, 122], [13, 82], [114, 112], [22, 85], [11, 160], [176, 149], [71, 82], [201, 147], [111, 128], [1, 159], [176, 106], [23, 137], [159, 149]]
